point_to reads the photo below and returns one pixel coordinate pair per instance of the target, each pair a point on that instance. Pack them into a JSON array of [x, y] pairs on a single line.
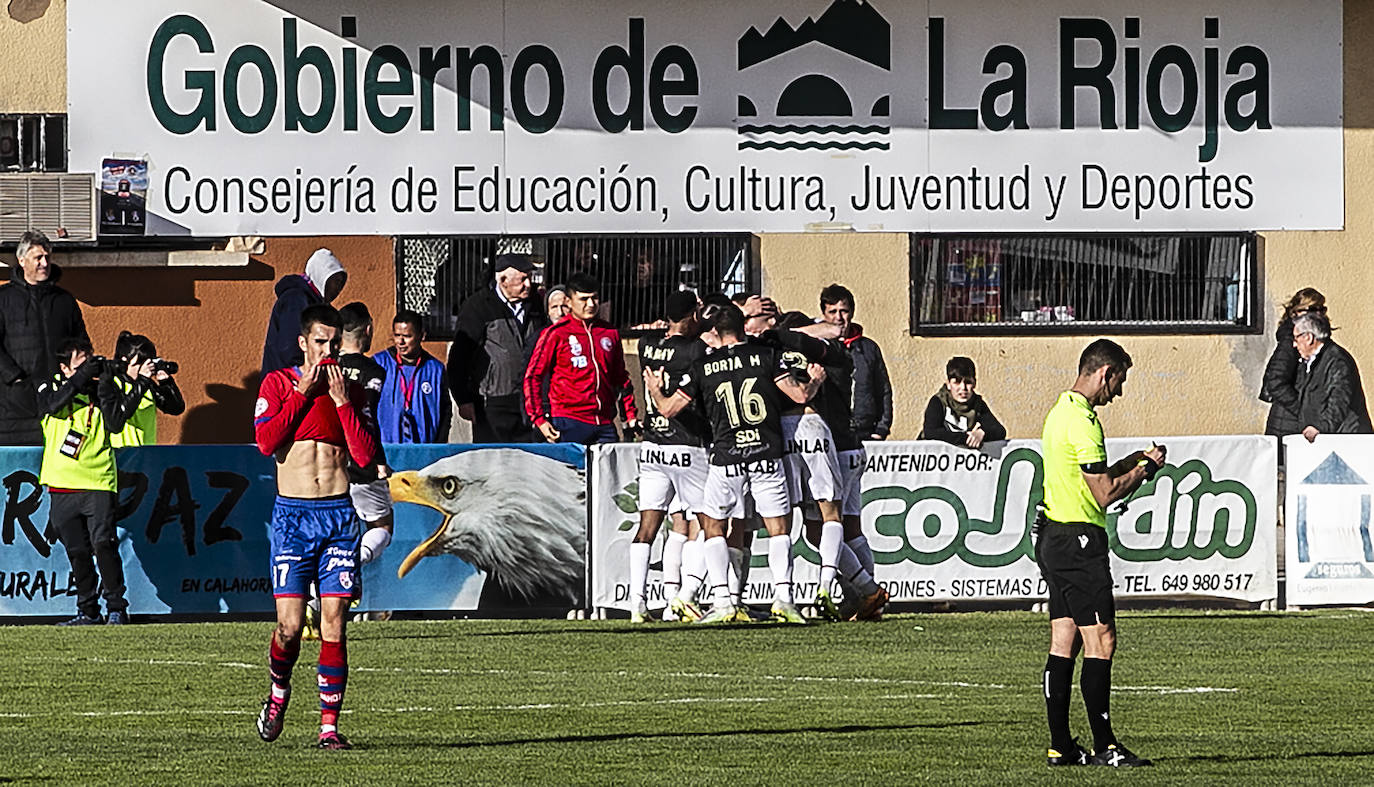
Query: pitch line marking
[[958, 684], [479, 708]]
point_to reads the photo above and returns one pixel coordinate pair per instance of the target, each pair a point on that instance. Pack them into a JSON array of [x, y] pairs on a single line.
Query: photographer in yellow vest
[[135, 352], [82, 407]]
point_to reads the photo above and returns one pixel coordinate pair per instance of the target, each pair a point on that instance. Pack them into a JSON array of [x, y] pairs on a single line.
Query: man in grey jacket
[[1330, 395], [497, 327]]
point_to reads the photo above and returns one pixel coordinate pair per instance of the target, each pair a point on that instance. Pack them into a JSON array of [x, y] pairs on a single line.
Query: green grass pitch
[[1222, 697]]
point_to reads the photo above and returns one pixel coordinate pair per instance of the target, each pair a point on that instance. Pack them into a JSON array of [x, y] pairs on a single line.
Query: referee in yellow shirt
[[1073, 555]]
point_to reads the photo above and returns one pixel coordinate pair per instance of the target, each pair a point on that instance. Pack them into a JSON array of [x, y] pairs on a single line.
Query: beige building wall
[[33, 37], [1181, 385]]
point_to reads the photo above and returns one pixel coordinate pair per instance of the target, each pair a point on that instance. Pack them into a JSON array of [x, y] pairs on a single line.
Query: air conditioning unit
[[59, 204]]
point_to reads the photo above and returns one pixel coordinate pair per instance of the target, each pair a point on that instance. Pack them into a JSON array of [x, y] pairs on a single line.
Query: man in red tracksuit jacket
[[577, 373]]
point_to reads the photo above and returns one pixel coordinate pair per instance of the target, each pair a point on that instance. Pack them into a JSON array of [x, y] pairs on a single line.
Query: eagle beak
[[406, 487]]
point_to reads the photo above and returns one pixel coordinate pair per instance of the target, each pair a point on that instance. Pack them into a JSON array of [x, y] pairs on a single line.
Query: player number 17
[[749, 403]]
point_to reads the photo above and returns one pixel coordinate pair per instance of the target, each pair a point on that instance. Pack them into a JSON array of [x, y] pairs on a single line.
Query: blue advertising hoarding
[[482, 528]]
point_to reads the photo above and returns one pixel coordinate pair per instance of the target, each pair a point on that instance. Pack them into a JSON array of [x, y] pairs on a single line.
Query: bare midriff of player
[[311, 420]]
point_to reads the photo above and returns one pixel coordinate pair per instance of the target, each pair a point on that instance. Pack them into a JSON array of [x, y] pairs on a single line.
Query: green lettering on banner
[[1198, 510], [297, 60], [375, 86], [204, 81], [895, 524], [1202, 495]]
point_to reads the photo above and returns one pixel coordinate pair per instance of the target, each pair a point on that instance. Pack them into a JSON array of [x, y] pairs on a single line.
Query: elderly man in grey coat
[[1330, 395]]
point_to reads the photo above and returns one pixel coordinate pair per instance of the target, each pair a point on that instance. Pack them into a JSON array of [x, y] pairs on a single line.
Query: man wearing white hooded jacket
[[323, 281]]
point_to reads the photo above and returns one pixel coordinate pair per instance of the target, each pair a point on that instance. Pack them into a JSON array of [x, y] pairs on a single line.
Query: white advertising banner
[[533, 116], [1329, 557], [950, 524]]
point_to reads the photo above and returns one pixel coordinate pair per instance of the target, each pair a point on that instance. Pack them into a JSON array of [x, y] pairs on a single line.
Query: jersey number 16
[[748, 403]]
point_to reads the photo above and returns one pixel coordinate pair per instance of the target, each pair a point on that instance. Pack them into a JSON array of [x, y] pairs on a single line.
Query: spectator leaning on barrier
[[577, 374], [36, 317], [1330, 395], [82, 407], [324, 279], [1281, 374], [139, 354], [497, 329], [958, 416], [414, 406], [871, 416]]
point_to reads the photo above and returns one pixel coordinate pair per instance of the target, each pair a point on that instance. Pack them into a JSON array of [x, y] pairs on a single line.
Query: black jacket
[[1280, 386], [281, 350], [1330, 395], [872, 414], [937, 423], [490, 348], [34, 320]]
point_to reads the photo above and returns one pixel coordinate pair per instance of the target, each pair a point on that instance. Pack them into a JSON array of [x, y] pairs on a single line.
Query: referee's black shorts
[[1074, 560]]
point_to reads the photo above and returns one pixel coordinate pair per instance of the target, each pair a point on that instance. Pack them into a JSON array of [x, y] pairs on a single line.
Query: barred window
[[1030, 284], [33, 143], [434, 275]]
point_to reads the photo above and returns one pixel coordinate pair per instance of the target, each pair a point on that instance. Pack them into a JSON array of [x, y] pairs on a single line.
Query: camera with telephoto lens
[[101, 366]]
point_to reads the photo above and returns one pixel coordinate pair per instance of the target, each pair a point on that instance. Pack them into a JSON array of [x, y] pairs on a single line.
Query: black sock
[[1096, 682], [1058, 686]]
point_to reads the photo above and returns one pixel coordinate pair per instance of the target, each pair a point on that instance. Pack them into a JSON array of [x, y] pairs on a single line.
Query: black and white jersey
[[832, 400], [367, 373], [675, 357], [737, 387]]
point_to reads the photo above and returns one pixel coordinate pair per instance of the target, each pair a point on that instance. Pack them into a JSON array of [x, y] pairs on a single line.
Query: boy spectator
[[958, 416]]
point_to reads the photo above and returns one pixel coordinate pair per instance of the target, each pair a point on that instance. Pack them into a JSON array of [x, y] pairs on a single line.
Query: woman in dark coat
[[1282, 375]]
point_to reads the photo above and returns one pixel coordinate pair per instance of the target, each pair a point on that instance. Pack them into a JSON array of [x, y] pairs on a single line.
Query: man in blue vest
[[415, 406]]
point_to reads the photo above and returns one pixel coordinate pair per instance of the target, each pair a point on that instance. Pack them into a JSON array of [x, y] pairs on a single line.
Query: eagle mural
[[516, 515]]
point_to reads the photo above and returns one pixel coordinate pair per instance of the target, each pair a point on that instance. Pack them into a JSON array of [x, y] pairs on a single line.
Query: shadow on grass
[[1306, 755], [1204, 617], [640, 736], [378, 633]]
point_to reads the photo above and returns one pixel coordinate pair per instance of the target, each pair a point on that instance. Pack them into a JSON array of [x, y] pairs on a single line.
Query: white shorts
[[372, 500], [813, 469], [727, 485], [852, 464], [671, 477], [744, 508]]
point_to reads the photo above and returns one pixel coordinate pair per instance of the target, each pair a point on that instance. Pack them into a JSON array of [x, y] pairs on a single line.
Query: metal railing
[[1181, 283], [434, 275]]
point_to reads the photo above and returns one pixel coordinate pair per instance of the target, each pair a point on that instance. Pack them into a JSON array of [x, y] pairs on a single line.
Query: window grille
[[1028, 284], [33, 143], [434, 275]]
